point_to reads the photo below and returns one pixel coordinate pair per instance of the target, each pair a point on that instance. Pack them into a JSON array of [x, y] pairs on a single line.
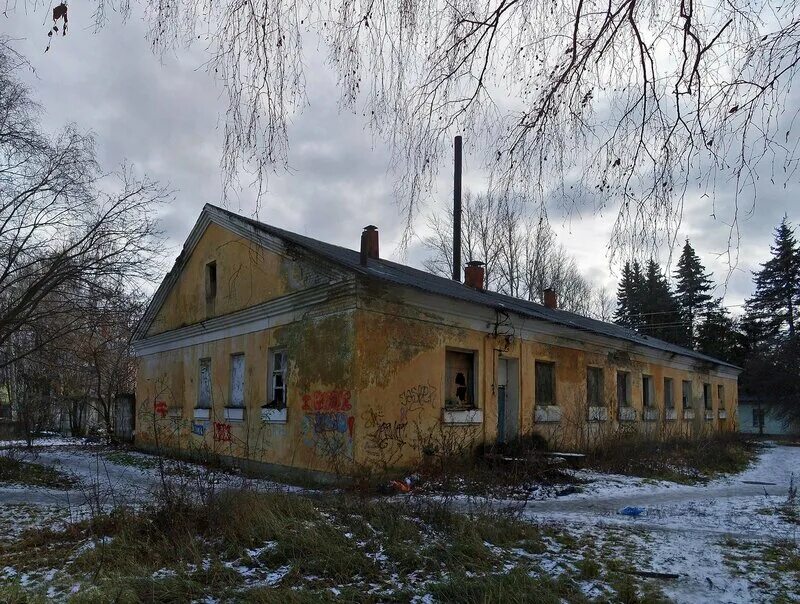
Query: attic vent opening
[[211, 281]]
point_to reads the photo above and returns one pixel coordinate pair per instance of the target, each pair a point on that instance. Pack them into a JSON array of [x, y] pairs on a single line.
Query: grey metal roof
[[407, 276]]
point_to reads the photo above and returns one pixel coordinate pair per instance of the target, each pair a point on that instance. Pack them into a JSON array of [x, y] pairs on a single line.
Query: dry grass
[[677, 458], [329, 549]]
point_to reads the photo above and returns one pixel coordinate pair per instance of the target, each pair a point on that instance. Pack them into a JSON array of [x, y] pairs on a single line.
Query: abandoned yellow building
[[272, 348]]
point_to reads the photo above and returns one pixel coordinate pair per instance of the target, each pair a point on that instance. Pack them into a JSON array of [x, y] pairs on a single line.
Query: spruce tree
[[693, 290], [629, 296], [718, 334], [661, 316], [774, 305]]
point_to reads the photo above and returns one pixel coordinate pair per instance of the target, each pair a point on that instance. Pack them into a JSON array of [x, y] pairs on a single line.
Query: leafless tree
[[521, 253], [623, 105], [70, 235]]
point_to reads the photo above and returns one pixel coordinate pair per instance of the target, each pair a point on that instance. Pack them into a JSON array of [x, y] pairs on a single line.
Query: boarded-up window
[[204, 385], [460, 379], [707, 404], [623, 388], [648, 391], [278, 365], [545, 383], [721, 395], [669, 395], [686, 394], [595, 385], [237, 380]]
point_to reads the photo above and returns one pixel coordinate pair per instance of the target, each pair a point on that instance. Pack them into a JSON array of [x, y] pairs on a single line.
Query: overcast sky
[[163, 116]]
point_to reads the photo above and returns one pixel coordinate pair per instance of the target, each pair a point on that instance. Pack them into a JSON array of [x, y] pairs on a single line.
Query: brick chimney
[[550, 298], [473, 274], [369, 244]]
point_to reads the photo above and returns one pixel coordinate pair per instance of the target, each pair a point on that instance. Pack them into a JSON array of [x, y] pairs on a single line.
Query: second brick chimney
[[550, 298], [474, 274], [369, 244]]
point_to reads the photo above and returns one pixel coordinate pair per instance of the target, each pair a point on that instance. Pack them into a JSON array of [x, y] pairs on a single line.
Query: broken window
[[545, 384], [460, 379], [623, 388], [669, 395], [204, 385], [237, 381], [278, 366], [707, 404], [686, 395], [648, 391], [594, 386], [211, 281]]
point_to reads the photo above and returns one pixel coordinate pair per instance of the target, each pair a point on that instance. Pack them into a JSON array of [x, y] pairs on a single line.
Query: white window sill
[[671, 414], [709, 415], [273, 416], [688, 414], [627, 414], [462, 417], [650, 415], [233, 414], [202, 413], [547, 414], [598, 414], [723, 414]]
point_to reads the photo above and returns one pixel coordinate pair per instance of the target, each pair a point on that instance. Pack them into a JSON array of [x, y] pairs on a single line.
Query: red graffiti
[[161, 408], [332, 400], [222, 432]]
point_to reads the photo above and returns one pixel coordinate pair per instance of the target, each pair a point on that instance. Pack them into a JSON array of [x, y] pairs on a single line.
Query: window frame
[[271, 375], [211, 280], [471, 389], [552, 366], [233, 359], [648, 391], [708, 401], [600, 386], [687, 401], [669, 403], [200, 403], [627, 390], [721, 395]]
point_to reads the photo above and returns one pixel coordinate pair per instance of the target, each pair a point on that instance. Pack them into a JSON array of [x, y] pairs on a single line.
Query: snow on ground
[[691, 530], [685, 529]]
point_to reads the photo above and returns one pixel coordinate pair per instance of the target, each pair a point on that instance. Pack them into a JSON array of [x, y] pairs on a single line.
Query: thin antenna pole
[[457, 210]]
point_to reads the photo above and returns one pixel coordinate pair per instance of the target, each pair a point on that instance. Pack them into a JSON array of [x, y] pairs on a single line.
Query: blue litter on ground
[[631, 511]]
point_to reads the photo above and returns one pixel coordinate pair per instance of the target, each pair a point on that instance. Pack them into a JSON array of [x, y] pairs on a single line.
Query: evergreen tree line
[[764, 340]]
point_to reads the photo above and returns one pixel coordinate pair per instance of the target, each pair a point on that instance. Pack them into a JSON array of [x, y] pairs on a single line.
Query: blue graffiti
[[199, 429]]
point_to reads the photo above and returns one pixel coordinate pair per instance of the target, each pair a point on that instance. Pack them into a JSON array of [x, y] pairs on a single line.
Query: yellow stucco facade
[[366, 380]]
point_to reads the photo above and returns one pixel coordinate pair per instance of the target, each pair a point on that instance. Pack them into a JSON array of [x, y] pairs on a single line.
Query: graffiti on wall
[[386, 437], [160, 408], [415, 399], [327, 424], [222, 432], [328, 401]]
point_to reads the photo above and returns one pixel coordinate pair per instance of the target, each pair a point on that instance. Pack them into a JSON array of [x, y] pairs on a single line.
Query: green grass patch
[[15, 471], [141, 462]]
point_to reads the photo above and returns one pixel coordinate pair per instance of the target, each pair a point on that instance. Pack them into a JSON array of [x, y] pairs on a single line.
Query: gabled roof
[[406, 276]]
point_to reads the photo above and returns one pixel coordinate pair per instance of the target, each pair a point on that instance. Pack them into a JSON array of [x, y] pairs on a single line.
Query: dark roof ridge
[[403, 275]]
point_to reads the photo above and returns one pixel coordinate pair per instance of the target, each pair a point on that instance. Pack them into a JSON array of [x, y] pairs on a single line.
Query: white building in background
[[759, 417]]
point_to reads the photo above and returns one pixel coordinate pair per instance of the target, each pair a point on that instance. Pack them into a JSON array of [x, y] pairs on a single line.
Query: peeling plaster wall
[[317, 421], [247, 274], [401, 348], [366, 377]]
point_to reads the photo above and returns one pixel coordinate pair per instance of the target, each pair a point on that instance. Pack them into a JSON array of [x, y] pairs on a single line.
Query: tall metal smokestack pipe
[[457, 210]]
